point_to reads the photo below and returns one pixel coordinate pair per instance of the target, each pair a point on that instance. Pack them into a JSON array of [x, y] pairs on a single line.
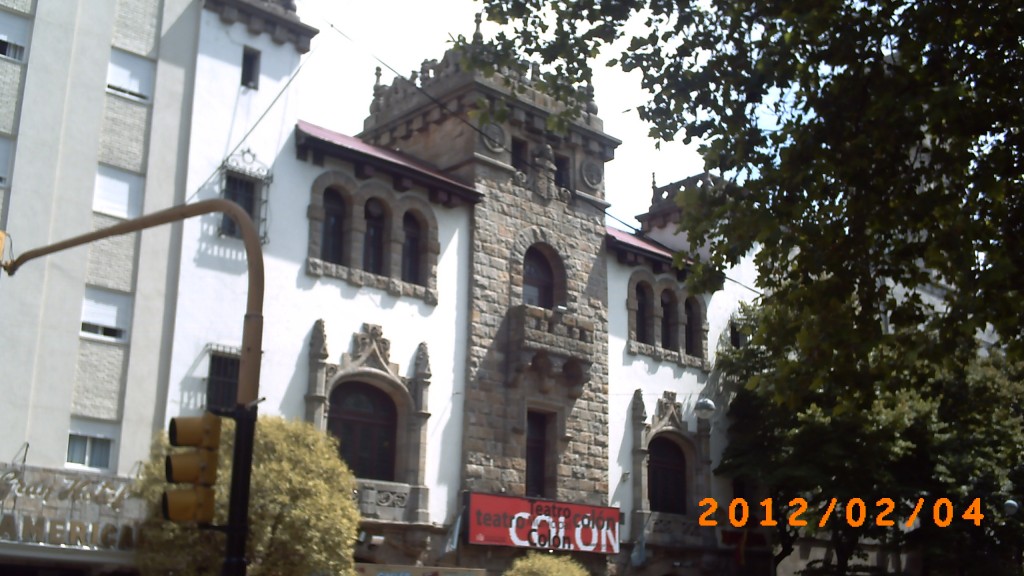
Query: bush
[[302, 518], [545, 564]]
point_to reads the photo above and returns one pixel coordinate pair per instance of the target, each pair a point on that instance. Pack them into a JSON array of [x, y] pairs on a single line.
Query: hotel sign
[[545, 524], [69, 509]]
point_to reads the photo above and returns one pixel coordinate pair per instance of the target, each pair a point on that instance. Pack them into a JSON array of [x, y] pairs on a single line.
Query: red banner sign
[[528, 523]]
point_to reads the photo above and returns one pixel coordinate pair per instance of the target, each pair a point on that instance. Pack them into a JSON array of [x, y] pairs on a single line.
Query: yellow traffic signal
[[197, 467]]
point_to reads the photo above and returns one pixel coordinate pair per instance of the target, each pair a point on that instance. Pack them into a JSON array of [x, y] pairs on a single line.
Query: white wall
[[214, 280], [627, 372]]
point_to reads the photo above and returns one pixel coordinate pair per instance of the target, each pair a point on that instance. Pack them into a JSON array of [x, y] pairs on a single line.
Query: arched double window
[[644, 297], [364, 420], [694, 328], [669, 320], [332, 244], [376, 236], [538, 279], [412, 249], [666, 476]]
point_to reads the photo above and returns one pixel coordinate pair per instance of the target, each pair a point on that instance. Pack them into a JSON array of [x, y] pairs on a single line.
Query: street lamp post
[[249, 363]]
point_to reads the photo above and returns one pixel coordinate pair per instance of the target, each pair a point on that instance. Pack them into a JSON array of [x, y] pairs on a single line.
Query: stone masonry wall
[[24, 6], [507, 222], [10, 94], [136, 26], [111, 262], [494, 434], [99, 375], [123, 137]]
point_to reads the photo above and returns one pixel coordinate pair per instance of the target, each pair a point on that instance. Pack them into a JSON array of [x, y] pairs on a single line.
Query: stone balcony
[[671, 530], [551, 331], [551, 347], [391, 501]]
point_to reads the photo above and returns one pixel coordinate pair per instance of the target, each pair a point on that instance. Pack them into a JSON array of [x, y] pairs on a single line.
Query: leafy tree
[[869, 155], [955, 436], [866, 140], [302, 519], [538, 564]]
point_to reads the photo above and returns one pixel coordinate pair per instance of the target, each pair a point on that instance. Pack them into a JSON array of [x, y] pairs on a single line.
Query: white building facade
[[503, 371]]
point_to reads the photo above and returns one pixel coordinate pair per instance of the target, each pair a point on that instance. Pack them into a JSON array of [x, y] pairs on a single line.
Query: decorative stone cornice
[[275, 17], [372, 350]]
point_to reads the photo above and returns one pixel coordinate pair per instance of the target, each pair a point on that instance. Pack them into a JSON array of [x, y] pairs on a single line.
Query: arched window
[[364, 420], [694, 328], [643, 314], [669, 321], [412, 249], [332, 244], [538, 280], [376, 231], [666, 476]]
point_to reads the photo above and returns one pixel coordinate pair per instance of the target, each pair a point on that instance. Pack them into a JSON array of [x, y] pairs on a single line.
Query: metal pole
[[249, 363], [238, 504]]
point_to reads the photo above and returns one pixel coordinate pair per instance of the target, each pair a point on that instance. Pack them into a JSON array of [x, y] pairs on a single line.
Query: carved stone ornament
[[639, 410], [422, 362], [318, 341], [544, 167], [493, 137], [592, 173], [668, 413], [246, 164], [372, 350]]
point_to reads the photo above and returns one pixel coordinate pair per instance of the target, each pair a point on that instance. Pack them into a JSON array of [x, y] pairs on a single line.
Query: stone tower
[[536, 402]]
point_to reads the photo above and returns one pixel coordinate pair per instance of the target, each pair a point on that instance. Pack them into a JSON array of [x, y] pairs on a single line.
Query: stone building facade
[[504, 372], [537, 350]]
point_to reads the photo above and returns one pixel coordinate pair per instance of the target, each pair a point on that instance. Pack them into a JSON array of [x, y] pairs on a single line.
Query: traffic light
[[197, 467]]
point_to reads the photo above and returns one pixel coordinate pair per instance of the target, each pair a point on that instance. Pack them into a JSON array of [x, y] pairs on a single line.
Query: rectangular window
[[89, 451], [241, 191], [106, 314], [537, 437], [118, 193], [130, 75], [13, 36], [6, 156], [222, 382], [251, 68], [520, 157], [562, 172]]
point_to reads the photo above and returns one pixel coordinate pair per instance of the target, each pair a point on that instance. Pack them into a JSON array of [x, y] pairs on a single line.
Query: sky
[[356, 36]]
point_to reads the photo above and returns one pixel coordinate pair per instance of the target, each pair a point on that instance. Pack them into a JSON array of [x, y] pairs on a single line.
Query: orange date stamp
[[855, 512]]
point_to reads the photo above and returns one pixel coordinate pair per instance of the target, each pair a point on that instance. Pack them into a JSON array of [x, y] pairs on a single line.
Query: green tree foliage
[[955, 435], [865, 141], [869, 155], [302, 519], [541, 564]]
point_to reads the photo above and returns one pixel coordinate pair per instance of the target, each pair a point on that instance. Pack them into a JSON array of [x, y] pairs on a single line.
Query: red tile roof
[[637, 243], [392, 158]]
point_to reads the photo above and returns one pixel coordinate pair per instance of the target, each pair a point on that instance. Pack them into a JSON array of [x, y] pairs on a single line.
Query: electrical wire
[[256, 124], [636, 231]]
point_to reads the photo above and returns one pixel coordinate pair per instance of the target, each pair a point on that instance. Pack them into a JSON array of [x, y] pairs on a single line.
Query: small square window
[[562, 170], [106, 314], [6, 156], [538, 438], [14, 33], [12, 50], [222, 382], [241, 191], [520, 158], [130, 75], [89, 451], [117, 192], [251, 68]]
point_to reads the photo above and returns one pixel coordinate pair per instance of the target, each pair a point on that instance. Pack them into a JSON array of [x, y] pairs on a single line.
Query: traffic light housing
[[197, 467]]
